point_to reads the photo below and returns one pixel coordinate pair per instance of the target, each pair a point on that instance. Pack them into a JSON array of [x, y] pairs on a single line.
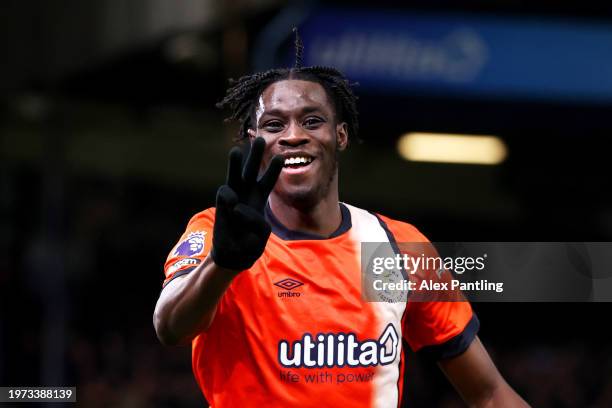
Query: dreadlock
[[243, 93]]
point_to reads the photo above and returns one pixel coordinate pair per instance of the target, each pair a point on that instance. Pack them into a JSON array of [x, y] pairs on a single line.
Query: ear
[[252, 134], [342, 136]]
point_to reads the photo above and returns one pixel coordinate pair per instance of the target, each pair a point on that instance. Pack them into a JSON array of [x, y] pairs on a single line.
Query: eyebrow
[[305, 110]]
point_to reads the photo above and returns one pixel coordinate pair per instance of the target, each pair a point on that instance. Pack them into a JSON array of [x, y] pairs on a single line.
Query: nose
[[294, 136]]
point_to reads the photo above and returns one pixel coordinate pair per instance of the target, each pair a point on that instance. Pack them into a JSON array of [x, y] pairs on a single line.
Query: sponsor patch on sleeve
[[183, 264], [193, 245]]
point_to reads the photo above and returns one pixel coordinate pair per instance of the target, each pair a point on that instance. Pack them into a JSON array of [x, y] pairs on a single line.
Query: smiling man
[[270, 297]]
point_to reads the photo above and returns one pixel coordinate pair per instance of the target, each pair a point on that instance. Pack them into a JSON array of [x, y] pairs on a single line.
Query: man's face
[[298, 122]]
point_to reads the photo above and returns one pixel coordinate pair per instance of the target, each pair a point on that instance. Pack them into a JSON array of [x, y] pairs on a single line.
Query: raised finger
[[234, 168], [253, 162], [271, 174]]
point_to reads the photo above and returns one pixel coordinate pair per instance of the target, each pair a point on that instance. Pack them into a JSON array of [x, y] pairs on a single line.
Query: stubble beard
[[306, 199]]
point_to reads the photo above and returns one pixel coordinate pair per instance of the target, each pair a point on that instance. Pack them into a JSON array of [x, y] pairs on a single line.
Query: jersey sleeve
[[441, 327], [192, 247]]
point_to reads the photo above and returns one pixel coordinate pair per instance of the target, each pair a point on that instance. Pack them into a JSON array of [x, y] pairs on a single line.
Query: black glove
[[241, 231]]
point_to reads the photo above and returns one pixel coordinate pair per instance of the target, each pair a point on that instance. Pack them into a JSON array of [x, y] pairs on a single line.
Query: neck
[[322, 219]]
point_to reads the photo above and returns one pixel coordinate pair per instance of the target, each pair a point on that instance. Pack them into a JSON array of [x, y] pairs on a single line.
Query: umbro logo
[[288, 285]]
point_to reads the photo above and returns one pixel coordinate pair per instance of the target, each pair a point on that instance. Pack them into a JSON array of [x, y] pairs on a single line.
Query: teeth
[[297, 160]]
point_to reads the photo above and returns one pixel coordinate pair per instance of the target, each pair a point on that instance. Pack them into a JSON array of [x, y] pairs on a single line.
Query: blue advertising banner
[[464, 54]]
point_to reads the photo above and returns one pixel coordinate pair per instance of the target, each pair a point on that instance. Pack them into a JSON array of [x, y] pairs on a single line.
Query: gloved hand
[[241, 232]]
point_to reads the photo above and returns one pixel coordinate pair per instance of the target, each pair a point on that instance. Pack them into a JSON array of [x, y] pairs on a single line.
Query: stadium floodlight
[[452, 148]]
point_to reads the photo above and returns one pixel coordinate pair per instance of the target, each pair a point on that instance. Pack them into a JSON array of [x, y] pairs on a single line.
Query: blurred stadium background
[[110, 142]]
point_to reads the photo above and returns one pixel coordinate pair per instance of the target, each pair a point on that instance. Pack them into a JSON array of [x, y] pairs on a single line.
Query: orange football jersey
[[294, 329]]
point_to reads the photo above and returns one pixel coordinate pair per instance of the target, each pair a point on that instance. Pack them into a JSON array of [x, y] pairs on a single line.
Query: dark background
[[109, 142]]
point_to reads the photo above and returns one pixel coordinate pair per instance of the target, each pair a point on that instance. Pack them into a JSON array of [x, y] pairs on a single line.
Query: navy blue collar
[[288, 235]]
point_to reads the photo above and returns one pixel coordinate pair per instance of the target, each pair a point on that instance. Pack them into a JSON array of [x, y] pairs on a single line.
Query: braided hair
[[243, 93]]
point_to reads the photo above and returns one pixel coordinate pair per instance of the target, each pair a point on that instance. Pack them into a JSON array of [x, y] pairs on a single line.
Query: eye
[[273, 126], [312, 122]]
